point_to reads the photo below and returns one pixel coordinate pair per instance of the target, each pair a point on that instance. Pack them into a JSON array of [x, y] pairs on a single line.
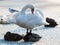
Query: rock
[[31, 37], [52, 22], [12, 36]]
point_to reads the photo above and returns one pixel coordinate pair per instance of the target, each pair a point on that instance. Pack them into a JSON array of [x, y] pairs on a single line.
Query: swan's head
[[31, 7]]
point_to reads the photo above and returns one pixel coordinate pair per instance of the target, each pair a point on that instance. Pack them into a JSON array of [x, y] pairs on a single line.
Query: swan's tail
[[45, 23]]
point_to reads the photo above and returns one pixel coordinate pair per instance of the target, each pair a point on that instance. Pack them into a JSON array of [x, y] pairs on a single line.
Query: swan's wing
[[34, 20], [40, 12]]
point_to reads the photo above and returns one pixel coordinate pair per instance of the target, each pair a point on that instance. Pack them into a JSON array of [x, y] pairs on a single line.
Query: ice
[[50, 8]]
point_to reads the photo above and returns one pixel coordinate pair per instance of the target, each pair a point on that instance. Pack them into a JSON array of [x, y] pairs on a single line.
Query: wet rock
[[52, 22], [12, 36], [31, 37]]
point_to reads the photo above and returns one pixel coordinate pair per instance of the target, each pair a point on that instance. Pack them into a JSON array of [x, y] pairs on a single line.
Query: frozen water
[[50, 8]]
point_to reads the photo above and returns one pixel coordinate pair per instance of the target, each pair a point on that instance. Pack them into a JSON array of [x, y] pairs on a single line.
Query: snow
[[50, 8]]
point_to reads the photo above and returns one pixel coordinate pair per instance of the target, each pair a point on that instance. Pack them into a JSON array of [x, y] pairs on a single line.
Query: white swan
[[12, 10], [29, 21]]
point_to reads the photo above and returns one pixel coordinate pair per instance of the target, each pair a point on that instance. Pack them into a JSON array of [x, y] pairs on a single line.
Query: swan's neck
[[26, 7], [23, 10]]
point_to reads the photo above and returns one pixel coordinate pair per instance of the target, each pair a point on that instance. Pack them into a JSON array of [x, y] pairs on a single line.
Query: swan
[[12, 10], [29, 21]]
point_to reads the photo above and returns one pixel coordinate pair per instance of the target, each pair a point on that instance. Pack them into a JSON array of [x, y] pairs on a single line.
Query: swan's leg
[[30, 31], [27, 31]]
